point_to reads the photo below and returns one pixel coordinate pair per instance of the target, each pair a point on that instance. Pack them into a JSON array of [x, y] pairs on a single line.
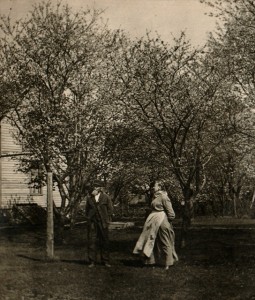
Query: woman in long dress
[[156, 242]]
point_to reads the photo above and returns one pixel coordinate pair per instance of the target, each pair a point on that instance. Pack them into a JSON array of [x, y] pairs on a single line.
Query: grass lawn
[[217, 263]]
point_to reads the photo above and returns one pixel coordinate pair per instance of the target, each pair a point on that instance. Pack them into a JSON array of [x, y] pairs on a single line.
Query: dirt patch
[[215, 264]]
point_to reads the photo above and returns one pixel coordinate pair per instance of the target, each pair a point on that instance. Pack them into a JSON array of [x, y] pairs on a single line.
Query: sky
[[166, 17]]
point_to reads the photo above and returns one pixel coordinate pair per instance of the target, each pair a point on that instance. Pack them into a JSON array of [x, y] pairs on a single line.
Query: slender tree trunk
[[186, 221], [234, 206], [50, 222]]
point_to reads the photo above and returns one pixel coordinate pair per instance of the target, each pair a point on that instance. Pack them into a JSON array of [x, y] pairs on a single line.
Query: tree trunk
[[50, 222], [187, 213], [186, 222], [234, 206]]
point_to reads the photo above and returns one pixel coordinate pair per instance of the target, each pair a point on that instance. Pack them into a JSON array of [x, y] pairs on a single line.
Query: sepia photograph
[[127, 149]]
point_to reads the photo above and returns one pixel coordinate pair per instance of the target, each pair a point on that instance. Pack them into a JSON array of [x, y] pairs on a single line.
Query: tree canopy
[[90, 102]]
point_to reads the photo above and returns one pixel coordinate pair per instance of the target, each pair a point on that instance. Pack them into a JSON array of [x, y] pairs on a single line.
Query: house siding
[[13, 183]]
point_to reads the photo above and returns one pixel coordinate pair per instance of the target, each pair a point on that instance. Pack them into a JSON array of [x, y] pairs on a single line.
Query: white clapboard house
[[14, 185]]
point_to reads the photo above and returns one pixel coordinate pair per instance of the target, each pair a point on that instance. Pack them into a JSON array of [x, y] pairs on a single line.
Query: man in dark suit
[[99, 210]]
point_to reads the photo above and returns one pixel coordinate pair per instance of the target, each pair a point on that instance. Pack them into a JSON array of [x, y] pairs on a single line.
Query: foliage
[[230, 51], [172, 100], [60, 59], [94, 104]]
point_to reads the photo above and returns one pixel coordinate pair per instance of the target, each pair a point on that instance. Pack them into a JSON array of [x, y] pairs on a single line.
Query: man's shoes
[[107, 265], [91, 265]]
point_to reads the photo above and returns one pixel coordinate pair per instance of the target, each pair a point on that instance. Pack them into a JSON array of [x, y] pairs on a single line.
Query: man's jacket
[[101, 211]]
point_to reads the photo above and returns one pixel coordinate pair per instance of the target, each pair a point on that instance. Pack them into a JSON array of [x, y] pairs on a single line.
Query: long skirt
[[164, 248]]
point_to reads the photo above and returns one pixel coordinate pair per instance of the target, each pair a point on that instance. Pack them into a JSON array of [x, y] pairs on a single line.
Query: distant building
[[14, 185]]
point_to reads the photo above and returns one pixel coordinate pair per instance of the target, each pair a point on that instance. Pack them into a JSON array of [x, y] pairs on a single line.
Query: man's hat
[[98, 183]]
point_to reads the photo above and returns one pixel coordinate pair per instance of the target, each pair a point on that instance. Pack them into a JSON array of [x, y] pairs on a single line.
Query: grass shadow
[[74, 261], [132, 263], [55, 259], [31, 258]]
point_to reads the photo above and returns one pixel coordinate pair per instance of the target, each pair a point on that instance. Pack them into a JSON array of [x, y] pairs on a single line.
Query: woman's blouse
[[161, 202]]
